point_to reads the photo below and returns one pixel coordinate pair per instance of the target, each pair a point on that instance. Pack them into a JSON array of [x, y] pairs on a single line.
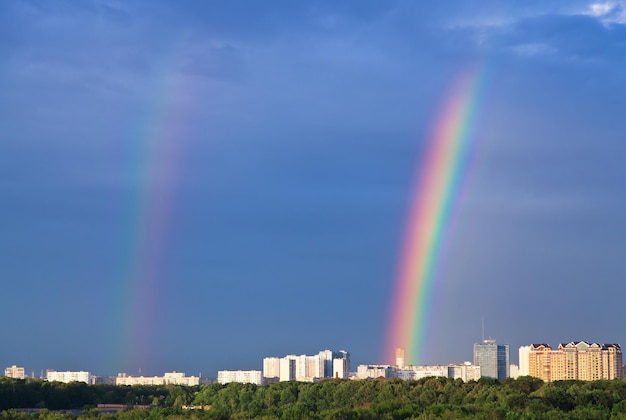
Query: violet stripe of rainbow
[[439, 181]]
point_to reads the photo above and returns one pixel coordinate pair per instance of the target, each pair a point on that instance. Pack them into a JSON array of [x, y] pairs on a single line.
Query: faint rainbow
[[156, 155], [438, 186]]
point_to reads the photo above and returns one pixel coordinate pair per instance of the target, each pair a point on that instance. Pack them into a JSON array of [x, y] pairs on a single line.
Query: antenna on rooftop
[[483, 325]]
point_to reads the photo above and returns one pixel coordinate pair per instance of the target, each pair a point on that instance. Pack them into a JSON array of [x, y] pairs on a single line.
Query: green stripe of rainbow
[[437, 191]]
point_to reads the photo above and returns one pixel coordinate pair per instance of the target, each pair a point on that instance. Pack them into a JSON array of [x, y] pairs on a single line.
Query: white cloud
[[609, 12]]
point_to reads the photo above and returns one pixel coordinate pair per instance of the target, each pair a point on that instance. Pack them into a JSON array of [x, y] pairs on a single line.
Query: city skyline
[[194, 186], [492, 358]]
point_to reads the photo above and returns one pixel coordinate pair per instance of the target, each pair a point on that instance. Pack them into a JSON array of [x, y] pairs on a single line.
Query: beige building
[[575, 360], [173, 378], [67, 377], [14, 372]]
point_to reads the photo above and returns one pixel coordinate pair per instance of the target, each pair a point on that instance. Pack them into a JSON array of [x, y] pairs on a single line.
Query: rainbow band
[[437, 191], [158, 145]]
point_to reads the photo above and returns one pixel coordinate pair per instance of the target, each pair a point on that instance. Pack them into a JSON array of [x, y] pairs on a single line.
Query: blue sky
[[278, 142]]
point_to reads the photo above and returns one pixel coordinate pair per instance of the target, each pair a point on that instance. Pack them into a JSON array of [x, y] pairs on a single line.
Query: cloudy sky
[[196, 185]]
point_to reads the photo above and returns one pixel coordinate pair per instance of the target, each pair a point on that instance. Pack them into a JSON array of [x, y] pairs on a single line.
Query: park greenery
[[428, 398]]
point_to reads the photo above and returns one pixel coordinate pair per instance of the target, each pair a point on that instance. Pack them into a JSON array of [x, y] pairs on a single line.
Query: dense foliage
[[523, 398]]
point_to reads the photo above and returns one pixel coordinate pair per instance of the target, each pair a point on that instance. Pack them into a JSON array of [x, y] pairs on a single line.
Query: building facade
[[492, 358], [173, 378], [524, 353], [67, 377], [307, 368], [242, 376], [271, 368], [374, 371], [341, 365], [577, 360], [465, 371], [15, 372]]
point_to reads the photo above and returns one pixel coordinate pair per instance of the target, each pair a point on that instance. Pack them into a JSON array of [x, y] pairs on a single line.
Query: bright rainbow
[[438, 187]]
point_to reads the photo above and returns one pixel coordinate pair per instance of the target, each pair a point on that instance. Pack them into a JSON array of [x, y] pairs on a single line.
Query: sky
[[194, 186]]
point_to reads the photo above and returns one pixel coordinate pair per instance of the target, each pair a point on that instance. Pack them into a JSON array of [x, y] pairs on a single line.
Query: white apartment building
[[14, 372], [341, 368], [513, 371], [524, 357], [288, 368], [173, 378], [374, 371], [309, 368], [243, 376], [419, 372], [465, 371], [67, 377], [341, 365], [271, 368]]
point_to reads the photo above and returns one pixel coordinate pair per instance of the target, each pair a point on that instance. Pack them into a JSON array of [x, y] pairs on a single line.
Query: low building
[[173, 378], [68, 376], [102, 380], [14, 372], [374, 371], [465, 371], [242, 376]]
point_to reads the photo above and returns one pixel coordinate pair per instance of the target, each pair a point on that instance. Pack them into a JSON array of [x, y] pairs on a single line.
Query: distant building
[[288, 368], [400, 358], [242, 376], [419, 372], [492, 358], [67, 377], [465, 371], [14, 372], [307, 368], [271, 368], [173, 378], [102, 380], [524, 353], [374, 371], [513, 371], [326, 358], [578, 360], [341, 365]]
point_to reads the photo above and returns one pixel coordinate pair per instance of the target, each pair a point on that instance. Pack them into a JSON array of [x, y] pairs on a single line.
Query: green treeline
[[429, 398]]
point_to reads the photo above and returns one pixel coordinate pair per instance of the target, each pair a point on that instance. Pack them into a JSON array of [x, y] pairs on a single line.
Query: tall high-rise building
[[341, 365], [271, 368], [575, 360], [492, 358], [326, 359], [524, 353], [288, 368]]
